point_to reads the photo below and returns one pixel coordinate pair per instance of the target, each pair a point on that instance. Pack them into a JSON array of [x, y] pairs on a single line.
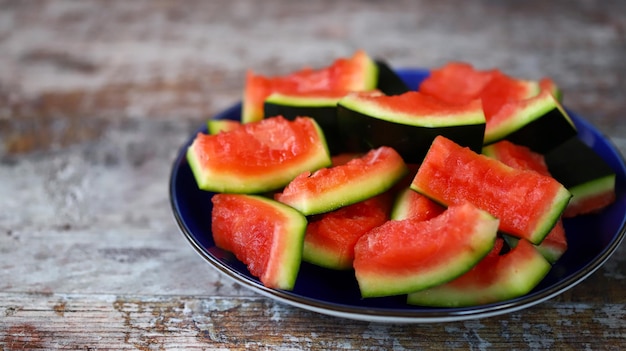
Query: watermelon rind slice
[[539, 122], [494, 187], [285, 231], [515, 275], [330, 237], [331, 188], [585, 174], [438, 115], [238, 176], [408, 122], [356, 73], [378, 277]]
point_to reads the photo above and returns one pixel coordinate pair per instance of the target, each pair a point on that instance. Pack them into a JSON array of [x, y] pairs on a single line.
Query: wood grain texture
[[96, 322], [96, 97]]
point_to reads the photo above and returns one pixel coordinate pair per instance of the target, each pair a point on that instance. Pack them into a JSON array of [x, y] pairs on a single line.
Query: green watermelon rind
[[400, 208], [320, 255], [549, 218], [247, 183], [215, 126], [517, 281], [363, 186], [385, 283], [353, 102], [285, 99]]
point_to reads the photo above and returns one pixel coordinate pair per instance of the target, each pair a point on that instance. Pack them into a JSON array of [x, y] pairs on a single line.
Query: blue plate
[[591, 239]]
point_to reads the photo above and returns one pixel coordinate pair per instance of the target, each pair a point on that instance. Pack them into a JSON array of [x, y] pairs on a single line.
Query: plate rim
[[387, 315]]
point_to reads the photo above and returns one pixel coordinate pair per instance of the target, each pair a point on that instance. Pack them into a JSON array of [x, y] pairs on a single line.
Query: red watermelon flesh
[[554, 244], [400, 257], [460, 83], [517, 156], [265, 235], [527, 203], [495, 278], [502, 91], [356, 73], [456, 82], [330, 237]]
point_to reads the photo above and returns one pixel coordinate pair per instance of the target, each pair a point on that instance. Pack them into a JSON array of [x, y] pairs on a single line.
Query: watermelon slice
[[257, 157], [404, 256], [407, 122], [502, 90], [554, 245], [330, 237], [585, 174], [527, 203], [495, 278], [355, 73], [265, 235], [538, 122], [331, 188]]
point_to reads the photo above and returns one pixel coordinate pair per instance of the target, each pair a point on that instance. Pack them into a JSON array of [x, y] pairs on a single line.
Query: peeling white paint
[[614, 319], [538, 336]]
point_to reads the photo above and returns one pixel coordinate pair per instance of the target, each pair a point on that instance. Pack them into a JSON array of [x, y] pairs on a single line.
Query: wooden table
[[96, 97]]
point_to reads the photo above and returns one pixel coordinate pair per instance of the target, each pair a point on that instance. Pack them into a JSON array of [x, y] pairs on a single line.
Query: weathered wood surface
[[97, 96]]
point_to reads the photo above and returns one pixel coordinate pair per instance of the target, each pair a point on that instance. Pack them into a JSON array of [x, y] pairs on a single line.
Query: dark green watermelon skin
[[574, 163], [361, 132], [389, 82], [544, 134]]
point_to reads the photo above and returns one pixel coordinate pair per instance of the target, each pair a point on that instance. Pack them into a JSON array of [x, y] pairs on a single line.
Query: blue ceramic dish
[[591, 239]]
